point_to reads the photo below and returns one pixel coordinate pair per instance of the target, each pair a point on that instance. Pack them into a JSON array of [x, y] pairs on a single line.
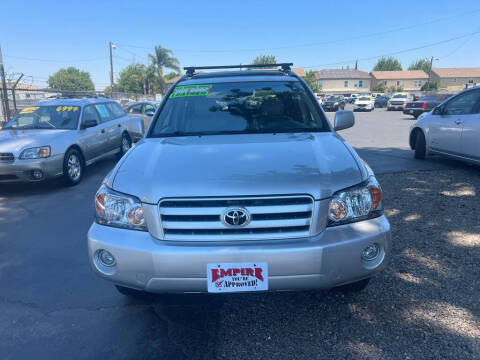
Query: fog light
[[371, 252], [106, 258], [37, 174]]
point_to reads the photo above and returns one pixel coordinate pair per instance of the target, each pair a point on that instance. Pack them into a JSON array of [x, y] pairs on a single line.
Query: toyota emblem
[[236, 217]]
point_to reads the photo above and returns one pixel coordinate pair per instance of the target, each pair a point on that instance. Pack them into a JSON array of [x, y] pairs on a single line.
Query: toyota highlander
[[240, 184]]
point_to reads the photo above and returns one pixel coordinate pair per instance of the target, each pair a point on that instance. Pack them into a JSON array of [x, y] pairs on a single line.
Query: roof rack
[[191, 69]]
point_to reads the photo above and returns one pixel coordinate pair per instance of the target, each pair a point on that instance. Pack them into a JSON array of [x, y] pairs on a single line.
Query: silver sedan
[[452, 129], [59, 138]]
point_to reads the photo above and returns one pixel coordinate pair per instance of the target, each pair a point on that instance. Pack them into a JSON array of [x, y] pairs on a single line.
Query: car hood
[[237, 165], [15, 141]]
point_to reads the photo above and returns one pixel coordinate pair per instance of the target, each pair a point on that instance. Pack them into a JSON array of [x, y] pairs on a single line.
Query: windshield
[[246, 107], [364, 98], [333, 98], [400, 96], [46, 117]]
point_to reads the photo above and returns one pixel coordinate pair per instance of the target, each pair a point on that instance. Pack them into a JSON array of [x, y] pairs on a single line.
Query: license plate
[[237, 277]]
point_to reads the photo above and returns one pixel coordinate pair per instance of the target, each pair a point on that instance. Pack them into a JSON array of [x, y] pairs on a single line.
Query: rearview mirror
[[89, 123], [437, 111], [344, 119], [150, 113]]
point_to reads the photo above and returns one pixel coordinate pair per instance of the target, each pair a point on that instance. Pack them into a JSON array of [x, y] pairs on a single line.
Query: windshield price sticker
[[237, 277], [67, 108], [191, 90], [29, 110]]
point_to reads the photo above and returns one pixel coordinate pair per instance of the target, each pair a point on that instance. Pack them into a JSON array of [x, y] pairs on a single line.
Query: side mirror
[[150, 113], [344, 119], [437, 111], [89, 124]]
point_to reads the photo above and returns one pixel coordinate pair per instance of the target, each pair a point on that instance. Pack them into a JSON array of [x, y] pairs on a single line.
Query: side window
[[89, 113], [103, 111], [115, 110], [135, 109], [149, 108], [463, 104]]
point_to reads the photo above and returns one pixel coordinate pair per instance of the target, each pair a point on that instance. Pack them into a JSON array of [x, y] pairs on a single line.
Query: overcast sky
[[39, 37]]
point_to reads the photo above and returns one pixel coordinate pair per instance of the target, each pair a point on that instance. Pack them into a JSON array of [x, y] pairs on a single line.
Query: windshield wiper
[[238, 132]]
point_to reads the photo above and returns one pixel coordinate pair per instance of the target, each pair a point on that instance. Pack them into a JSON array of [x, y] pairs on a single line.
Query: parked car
[[240, 184], [425, 104], [351, 99], [59, 138], [144, 109], [381, 101], [398, 101], [334, 103], [364, 103], [451, 129]]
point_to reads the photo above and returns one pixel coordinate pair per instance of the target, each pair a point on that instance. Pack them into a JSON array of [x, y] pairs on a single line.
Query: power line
[[402, 28], [55, 61], [396, 52]]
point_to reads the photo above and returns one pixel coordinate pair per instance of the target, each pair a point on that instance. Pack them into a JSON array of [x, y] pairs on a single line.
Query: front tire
[[353, 287], [125, 145], [73, 167], [420, 145], [132, 293]]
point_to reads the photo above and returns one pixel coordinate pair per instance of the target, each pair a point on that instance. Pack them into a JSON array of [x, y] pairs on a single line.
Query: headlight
[[119, 210], [356, 203], [36, 153]]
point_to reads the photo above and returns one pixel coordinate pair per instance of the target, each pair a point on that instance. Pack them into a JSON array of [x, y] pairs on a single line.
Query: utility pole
[[430, 73], [111, 47], [4, 88]]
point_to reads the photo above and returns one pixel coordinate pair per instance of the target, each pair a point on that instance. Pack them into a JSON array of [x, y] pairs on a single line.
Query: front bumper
[[21, 170], [324, 261], [395, 107]]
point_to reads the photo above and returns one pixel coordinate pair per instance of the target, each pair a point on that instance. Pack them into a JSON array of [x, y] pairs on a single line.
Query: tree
[[163, 59], [264, 59], [387, 64], [394, 88], [379, 87], [311, 80], [170, 76], [71, 79], [420, 64], [429, 86], [132, 79]]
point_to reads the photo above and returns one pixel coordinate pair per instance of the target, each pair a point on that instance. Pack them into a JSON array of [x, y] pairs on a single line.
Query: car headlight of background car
[[119, 210], [36, 153], [357, 203]]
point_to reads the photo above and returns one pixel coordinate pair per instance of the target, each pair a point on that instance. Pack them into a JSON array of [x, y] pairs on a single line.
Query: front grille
[[8, 177], [6, 157], [270, 218], [396, 102]]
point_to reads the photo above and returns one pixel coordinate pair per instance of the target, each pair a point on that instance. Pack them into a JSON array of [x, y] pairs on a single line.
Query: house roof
[[399, 75], [457, 72], [299, 71], [341, 74]]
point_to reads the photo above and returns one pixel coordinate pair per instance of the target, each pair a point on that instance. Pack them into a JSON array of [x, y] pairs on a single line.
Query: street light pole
[[4, 88], [111, 47]]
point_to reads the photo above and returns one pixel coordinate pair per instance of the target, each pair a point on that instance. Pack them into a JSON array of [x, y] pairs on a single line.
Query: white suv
[[398, 101]]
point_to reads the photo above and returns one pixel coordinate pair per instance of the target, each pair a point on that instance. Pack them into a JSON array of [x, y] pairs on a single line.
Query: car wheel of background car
[[125, 145], [72, 167], [138, 294], [353, 287], [420, 146]]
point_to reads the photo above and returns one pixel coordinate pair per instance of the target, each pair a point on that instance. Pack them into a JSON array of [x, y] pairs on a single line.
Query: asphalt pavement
[[53, 306]]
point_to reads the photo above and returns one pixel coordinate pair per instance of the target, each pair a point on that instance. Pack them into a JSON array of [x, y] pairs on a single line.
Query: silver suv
[[61, 137], [240, 184]]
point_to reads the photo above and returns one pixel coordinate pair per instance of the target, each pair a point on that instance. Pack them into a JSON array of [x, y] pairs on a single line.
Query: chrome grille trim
[[6, 157], [272, 217]]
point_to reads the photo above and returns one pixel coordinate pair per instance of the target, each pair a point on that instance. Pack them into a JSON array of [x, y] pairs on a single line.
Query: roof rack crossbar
[[191, 69]]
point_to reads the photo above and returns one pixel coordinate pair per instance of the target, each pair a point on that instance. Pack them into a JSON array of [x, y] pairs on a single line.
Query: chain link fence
[[23, 96]]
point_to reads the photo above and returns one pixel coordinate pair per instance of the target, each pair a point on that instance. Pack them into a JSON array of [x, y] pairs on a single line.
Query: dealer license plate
[[237, 277]]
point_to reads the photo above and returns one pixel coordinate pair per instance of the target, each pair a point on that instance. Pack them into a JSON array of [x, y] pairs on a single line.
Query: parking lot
[[425, 305]]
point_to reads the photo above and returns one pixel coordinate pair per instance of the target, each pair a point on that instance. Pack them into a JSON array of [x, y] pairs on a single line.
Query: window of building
[[417, 83], [399, 83], [454, 80], [360, 83], [470, 81], [385, 82], [345, 83], [320, 83]]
